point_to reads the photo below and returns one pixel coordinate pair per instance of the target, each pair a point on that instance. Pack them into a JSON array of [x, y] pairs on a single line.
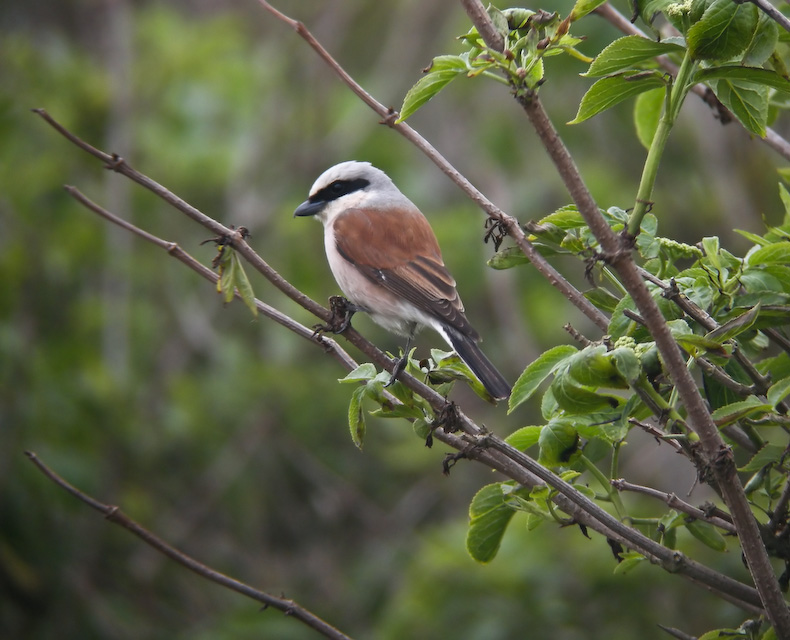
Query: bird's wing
[[396, 249]]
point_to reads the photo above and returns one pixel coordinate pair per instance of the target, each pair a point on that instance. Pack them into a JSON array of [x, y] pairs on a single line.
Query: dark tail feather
[[486, 372]]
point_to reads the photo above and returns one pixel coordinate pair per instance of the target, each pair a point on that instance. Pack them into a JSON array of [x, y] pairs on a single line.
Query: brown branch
[[618, 252], [116, 516], [389, 117], [676, 503]]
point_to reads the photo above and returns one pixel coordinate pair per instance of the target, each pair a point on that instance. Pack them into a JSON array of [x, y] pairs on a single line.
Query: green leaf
[[629, 561], [356, 417], [736, 326], [593, 367], [607, 92], [735, 411], [602, 298], [724, 31], [755, 75], [647, 113], [507, 258], [443, 70], [627, 363], [559, 443], [707, 534], [775, 253], [778, 391], [529, 381], [769, 454], [525, 437], [626, 52], [244, 287], [583, 7], [227, 275], [764, 40], [362, 373], [489, 516], [747, 101]]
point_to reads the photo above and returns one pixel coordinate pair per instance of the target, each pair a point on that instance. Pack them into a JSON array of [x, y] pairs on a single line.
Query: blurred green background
[[226, 435]]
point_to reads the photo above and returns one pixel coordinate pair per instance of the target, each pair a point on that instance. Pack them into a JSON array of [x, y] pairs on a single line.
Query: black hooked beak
[[308, 208]]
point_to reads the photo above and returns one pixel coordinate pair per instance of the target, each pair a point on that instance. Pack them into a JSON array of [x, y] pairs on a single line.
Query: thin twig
[[676, 503], [116, 516], [389, 117]]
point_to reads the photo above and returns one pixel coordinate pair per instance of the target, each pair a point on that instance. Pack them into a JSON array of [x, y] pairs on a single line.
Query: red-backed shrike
[[384, 255]]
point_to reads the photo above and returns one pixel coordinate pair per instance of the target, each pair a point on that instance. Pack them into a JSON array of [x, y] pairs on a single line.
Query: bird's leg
[[400, 363], [340, 320]]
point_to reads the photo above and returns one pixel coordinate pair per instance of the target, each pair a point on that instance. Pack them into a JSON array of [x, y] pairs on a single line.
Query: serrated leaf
[[529, 381], [707, 534], [778, 391], [724, 31], [356, 417], [607, 92], [525, 437], [626, 52], [769, 454], [489, 516], [747, 101], [774, 253], [442, 72], [755, 75], [647, 112], [735, 411]]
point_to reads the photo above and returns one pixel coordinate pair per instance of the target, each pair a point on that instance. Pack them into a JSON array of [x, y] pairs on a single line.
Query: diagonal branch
[[116, 516]]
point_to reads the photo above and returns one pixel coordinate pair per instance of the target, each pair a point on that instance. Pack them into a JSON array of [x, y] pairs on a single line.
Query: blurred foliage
[[128, 375]]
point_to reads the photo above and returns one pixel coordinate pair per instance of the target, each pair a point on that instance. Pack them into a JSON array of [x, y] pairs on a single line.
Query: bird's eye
[[337, 187]]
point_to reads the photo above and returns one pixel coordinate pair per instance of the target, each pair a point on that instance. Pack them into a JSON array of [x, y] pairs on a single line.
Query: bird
[[385, 257]]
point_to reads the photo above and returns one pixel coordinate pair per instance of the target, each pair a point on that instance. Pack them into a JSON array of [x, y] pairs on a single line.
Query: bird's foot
[[340, 320], [400, 365]]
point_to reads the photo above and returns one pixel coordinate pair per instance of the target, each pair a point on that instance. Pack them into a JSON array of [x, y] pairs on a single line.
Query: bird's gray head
[[348, 184]]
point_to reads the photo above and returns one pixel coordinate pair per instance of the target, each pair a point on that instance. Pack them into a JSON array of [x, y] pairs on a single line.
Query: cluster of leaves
[[734, 49], [597, 393], [529, 37], [723, 310]]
